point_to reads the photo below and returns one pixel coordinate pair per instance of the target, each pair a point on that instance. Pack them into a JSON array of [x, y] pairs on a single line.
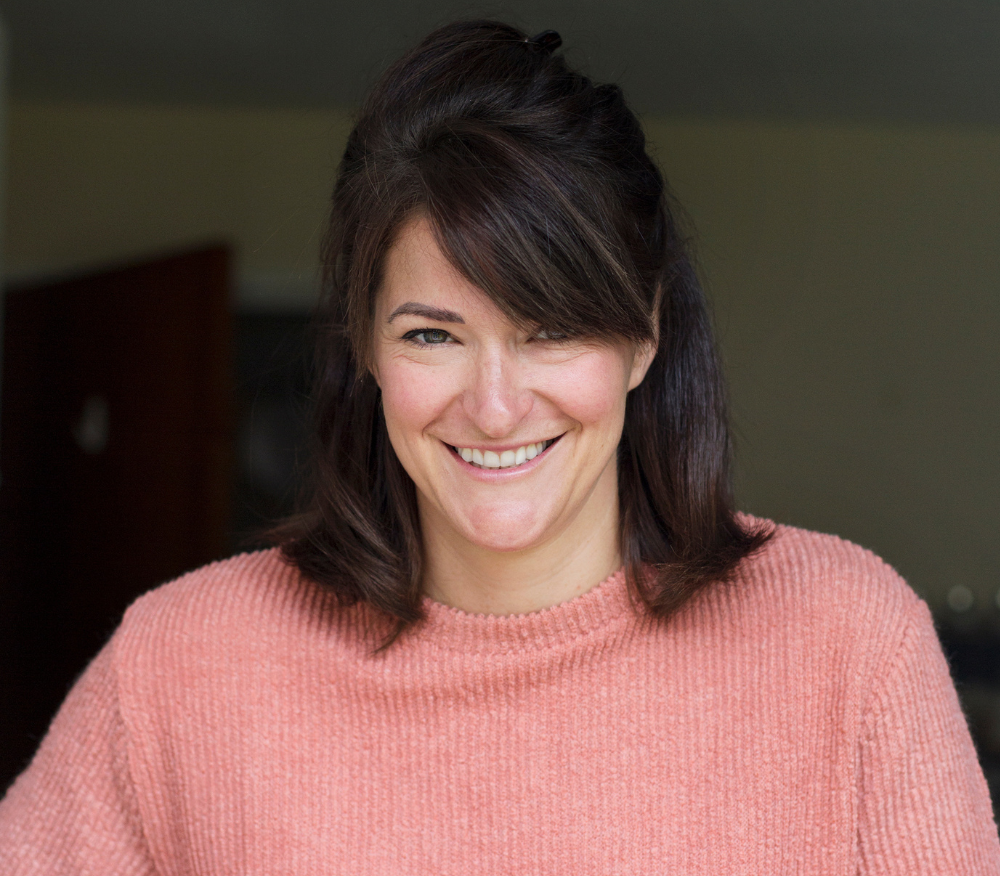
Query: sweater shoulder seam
[[886, 670], [119, 706]]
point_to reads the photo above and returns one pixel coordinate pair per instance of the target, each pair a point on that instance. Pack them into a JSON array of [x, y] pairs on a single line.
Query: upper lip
[[500, 448]]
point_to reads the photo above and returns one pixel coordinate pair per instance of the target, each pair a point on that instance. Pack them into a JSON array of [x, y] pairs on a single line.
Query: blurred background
[[166, 168]]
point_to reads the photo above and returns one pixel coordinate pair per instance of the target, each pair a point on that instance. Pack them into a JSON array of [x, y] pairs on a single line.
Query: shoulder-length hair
[[538, 187]]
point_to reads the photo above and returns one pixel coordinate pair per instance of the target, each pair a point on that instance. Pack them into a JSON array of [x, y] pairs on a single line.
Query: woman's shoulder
[[237, 606], [225, 586], [827, 586], [793, 553]]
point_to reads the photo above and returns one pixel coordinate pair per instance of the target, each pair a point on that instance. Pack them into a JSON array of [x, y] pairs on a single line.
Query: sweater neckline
[[456, 629]]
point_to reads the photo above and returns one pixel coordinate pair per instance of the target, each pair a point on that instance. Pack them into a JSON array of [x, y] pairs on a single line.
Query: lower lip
[[491, 474]]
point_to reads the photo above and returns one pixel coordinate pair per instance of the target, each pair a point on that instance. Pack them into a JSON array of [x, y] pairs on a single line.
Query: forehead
[[416, 270]]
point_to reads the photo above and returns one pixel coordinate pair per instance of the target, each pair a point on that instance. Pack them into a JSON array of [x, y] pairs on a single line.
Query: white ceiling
[[906, 60]]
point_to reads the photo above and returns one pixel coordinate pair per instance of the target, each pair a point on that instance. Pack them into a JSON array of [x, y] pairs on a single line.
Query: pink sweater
[[800, 721]]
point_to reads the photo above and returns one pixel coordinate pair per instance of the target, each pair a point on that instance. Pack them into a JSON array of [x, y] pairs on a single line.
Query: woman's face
[[509, 435]]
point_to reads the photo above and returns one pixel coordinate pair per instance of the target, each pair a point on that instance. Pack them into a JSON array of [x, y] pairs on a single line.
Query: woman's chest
[[605, 777]]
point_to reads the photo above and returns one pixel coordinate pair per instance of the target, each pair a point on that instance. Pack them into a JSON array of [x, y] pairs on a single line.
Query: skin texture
[[454, 372]]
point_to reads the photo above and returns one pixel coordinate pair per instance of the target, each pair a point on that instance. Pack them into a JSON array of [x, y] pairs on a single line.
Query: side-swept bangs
[[514, 221]]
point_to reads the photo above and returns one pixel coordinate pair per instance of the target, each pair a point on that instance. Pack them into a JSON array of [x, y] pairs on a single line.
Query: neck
[[481, 581]]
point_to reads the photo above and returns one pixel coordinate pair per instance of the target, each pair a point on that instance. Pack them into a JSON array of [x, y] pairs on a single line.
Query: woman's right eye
[[427, 337]]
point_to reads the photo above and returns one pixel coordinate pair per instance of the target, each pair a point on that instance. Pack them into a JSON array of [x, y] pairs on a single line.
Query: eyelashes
[[427, 337], [431, 337]]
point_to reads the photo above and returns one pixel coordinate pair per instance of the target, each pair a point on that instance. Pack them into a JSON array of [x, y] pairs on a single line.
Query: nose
[[496, 398]]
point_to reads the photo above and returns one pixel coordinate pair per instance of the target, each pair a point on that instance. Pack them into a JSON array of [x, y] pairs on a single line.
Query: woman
[[518, 626]]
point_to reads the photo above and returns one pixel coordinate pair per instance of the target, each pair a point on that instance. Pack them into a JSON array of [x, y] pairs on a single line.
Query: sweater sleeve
[[74, 810], [924, 805]]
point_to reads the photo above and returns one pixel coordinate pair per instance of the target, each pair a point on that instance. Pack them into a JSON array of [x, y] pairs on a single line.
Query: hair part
[[540, 192]]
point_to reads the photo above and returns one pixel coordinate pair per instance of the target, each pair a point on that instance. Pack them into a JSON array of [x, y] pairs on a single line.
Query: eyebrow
[[438, 314]]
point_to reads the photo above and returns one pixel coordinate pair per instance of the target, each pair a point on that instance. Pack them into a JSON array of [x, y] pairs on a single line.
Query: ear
[[645, 353], [641, 360]]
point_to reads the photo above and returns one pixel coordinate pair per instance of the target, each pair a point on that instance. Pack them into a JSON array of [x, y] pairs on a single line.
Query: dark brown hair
[[539, 189]]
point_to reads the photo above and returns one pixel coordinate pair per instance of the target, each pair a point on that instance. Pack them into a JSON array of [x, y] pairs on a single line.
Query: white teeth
[[506, 459]]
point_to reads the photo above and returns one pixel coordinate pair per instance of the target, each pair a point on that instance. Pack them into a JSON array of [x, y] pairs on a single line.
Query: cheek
[[593, 392], [412, 398]]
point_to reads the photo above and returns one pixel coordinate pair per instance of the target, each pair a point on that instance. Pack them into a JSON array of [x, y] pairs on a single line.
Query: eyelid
[[411, 336], [541, 333]]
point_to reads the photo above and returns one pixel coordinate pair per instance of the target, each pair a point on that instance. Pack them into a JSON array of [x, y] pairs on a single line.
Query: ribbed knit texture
[[800, 720]]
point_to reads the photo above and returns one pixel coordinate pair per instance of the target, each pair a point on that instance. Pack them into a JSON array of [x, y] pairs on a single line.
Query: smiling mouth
[[488, 459]]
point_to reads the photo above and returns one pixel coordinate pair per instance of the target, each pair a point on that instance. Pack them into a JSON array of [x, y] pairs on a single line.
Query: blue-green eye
[[428, 337]]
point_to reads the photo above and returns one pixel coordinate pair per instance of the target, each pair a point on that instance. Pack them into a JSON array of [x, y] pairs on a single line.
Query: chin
[[505, 534], [503, 546]]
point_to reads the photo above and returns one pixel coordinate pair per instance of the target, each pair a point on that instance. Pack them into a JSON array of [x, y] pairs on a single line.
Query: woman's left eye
[[549, 335], [427, 337]]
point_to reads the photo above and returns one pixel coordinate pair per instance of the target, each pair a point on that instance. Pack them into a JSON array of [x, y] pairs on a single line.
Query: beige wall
[[856, 277], [92, 184], [855, 272]]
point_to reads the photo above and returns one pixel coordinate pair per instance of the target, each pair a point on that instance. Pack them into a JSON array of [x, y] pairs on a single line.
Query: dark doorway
[[115, 459], [273, 368]]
